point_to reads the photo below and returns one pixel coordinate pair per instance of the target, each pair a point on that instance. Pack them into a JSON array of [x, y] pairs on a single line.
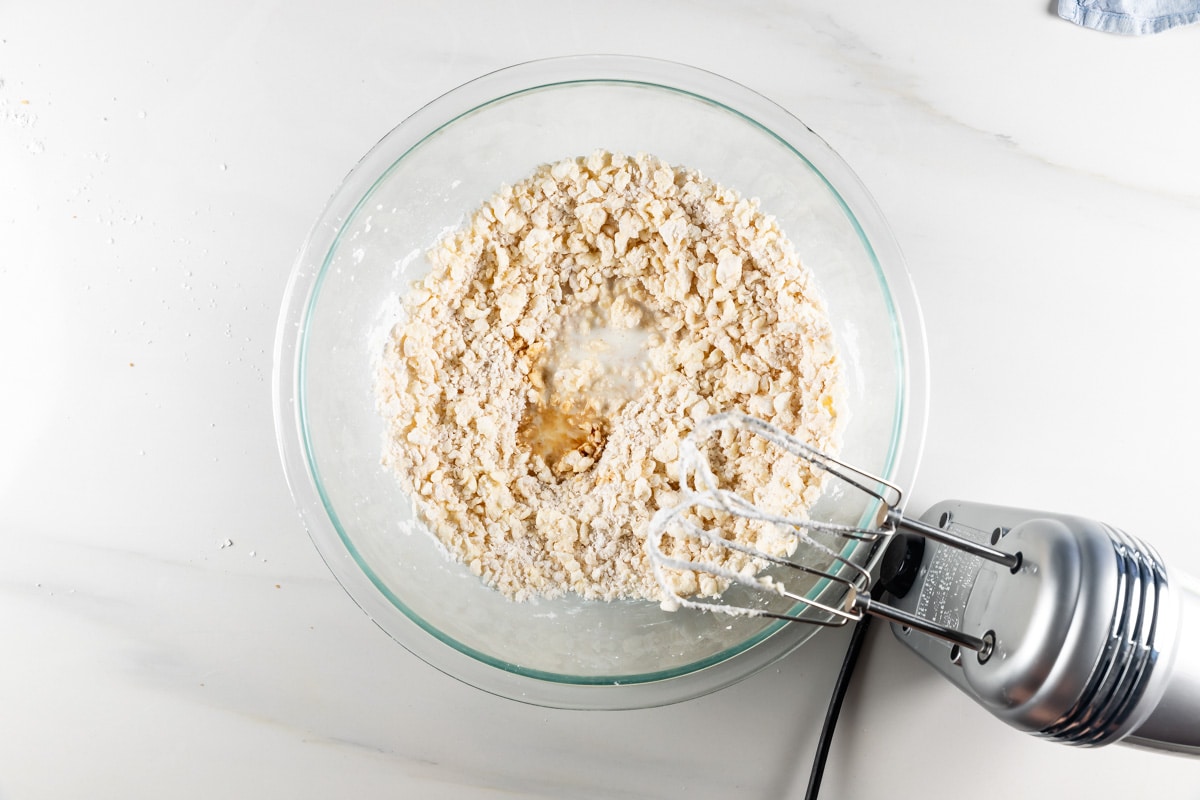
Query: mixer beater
[[1060, 626]]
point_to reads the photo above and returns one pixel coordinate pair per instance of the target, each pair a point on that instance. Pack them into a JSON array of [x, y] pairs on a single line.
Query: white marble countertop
[[168, 628]]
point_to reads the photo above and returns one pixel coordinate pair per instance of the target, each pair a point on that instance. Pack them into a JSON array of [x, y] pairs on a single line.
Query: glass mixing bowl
[[423, 180]]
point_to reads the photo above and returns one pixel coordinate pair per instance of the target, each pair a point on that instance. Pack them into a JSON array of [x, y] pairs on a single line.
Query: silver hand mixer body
[[1093, 639], [1060, 626]]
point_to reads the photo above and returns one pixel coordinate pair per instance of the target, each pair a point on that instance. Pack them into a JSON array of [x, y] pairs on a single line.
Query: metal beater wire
[[701, 489]]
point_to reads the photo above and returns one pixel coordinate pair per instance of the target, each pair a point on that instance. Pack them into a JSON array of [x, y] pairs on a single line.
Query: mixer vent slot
[[1122, 671]]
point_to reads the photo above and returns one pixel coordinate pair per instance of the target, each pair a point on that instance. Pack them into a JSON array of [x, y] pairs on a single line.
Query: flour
[[567, 339]]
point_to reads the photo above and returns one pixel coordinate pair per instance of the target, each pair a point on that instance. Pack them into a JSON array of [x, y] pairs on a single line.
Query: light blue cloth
[[1130, 16]]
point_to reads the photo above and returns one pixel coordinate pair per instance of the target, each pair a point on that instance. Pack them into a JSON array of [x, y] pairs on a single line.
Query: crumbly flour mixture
[[567, 338]]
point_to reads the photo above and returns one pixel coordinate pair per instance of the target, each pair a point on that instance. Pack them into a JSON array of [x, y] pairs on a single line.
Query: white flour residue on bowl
[[567, 338]]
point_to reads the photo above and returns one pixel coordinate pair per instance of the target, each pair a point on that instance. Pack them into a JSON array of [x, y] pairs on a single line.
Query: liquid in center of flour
[[586, 376]]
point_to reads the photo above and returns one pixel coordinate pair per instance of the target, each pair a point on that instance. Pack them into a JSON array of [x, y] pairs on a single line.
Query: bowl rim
[[303, 287]]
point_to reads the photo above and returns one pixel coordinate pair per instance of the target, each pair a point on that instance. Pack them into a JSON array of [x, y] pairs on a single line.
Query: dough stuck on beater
[[567, 339]]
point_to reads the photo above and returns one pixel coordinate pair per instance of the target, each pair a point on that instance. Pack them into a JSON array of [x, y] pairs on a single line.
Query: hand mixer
[[1060, 626]]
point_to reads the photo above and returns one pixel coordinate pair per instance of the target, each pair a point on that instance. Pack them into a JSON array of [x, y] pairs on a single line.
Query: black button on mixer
[[901, 562]]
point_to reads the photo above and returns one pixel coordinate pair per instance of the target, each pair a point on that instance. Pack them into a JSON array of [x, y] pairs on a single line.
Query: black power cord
[[849, 660], [897, 572]]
